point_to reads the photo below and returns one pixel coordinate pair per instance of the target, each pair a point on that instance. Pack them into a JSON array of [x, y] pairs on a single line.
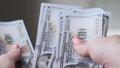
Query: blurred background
[[28, 10]]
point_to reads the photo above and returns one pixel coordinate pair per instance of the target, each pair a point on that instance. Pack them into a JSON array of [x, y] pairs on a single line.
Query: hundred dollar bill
[[49, 35], [84, 25], [15, 32], [48, 31], [58, 24], [85, 28]]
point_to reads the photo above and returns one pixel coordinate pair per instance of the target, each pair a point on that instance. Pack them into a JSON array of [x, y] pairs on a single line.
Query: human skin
[[102, 50], [8, 60]]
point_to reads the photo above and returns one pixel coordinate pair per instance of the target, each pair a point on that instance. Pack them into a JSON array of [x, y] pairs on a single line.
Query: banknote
[[49, 33], [58, 24], [77, 26], [48, 20], [15, 32]]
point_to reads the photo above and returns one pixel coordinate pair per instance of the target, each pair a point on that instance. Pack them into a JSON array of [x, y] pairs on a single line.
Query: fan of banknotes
[[58, 24]]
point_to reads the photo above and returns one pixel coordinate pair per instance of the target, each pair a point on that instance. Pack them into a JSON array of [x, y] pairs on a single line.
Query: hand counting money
[[15, 32], [58, 24]]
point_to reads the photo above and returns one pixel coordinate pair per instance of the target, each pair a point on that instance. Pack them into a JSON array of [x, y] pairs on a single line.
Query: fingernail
[[76, 41], [16, 46]]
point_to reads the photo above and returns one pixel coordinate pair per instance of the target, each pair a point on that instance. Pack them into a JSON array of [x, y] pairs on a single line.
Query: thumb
[[80, 48], [14, 54]]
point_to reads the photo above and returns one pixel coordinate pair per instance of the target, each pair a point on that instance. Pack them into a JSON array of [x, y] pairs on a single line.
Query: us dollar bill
[[49, 30], [85, 27], [12, 32], [77, 26], [58, 24]]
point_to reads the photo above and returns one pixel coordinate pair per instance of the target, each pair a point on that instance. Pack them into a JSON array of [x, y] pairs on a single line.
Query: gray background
[[28, 10]]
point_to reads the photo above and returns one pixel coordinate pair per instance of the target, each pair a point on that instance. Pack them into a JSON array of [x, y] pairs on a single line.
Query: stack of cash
[[13, 32], [58, 24]]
